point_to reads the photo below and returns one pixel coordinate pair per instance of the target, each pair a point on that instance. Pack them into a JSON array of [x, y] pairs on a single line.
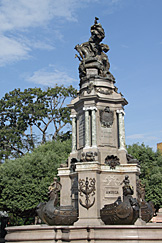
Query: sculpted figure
[[53, 214], [92, 53], [124, 211]]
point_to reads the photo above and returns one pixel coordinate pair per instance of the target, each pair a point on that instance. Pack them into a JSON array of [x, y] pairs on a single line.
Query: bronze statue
[[147, 209], [122, 212], [52, 214], [92, 53]]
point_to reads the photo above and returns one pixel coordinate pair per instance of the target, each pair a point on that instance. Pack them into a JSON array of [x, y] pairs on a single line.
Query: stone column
[[73, 133], [90, 134], [87, 128], [121, 114], [94, 137]]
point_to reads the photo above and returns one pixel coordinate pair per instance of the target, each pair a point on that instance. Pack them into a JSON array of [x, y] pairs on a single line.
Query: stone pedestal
[[65, 180], [82, 234], [89, 172], [107, 188]]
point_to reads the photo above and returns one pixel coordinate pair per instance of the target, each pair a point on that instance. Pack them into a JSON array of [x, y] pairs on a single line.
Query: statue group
[[92, 53]]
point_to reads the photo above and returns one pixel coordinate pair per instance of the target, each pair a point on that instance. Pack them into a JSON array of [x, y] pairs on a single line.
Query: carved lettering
[[111, 192], [106, 136]]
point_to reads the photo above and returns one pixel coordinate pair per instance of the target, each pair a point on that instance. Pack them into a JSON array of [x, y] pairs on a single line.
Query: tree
[[24, 181], [151, 171], [24, 115]]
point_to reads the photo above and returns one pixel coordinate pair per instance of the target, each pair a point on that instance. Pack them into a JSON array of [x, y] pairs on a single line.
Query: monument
[[99, 169], [98, 161], [101, 196]]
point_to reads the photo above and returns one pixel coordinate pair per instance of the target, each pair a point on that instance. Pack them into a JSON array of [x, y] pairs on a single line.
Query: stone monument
[[99, 161], [101, 195], [99, 171]]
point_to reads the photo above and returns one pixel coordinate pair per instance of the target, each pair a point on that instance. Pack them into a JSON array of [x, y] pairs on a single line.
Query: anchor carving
[[87, 187]]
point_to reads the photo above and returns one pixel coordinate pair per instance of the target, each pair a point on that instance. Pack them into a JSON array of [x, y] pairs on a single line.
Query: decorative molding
[[81, 93], [112, 161], [104, 91], [120, 112], [131, 159], [73, 164], [90, 108], [111, 181], [90, 87], [88, 156]]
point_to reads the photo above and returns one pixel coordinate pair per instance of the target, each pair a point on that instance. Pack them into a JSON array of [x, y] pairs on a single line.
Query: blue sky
[[37, 40]]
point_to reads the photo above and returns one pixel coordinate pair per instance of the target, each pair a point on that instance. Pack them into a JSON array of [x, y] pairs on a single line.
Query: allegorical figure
[[92, 53]]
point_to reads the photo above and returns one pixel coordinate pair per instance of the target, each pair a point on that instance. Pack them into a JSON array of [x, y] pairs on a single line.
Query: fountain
[[101, 197]]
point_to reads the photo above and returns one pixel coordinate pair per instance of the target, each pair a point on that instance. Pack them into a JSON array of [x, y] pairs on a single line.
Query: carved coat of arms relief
[[106, 117]]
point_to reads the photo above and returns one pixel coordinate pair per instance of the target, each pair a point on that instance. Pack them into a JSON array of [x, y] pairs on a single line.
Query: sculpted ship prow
[[98, 162], [122, 212], [52, 214]]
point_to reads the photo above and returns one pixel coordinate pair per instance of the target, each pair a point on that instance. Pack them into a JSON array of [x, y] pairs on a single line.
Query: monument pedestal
[[89, 193], [92, 186]]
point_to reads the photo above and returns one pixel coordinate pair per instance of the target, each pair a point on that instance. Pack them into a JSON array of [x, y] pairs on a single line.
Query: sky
[[37, 40]]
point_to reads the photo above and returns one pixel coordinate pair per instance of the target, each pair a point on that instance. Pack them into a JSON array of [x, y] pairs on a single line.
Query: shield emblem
[[106, 117]]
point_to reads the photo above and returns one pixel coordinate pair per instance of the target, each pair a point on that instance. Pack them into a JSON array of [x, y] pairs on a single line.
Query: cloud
[[135, 136], [35, 43], [41, 45], [25, 17], [124, 46], [48, 77], [114, 67], [18, 20], [21, 14], [12, 50], [115, 2], [111, 6], [147, 138], [142, 137]]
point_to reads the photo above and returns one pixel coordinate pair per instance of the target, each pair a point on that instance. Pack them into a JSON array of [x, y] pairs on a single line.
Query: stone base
[[140, 222], [150, 233], [89, 222]]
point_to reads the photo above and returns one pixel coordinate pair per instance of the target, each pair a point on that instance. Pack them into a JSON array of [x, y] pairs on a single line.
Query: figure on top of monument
[[92, 53], [97, 33]]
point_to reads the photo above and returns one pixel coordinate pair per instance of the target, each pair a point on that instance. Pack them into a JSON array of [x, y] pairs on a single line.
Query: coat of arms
[[106, 117]]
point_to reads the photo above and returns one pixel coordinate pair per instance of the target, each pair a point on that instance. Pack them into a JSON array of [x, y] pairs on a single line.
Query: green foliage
[[23, 114], [151, 171], [24, 181]]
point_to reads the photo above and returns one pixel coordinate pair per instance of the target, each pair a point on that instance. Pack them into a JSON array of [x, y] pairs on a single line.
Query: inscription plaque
[[111, 192], [81, 130], [106, 136], [111, 189]]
